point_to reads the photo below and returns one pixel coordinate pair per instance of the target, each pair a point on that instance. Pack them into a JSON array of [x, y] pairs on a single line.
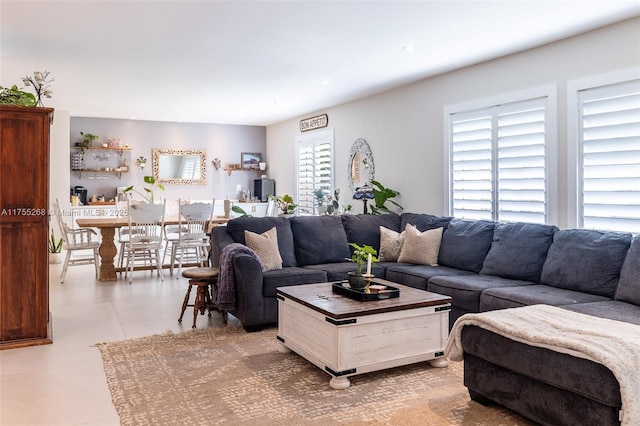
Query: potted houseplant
[[380, 196], [55, 249], [286, 204], [360, 257]]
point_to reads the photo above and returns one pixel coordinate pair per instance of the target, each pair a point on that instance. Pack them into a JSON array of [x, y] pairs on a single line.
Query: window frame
[[551, 137], [315, 138], [574, 147]]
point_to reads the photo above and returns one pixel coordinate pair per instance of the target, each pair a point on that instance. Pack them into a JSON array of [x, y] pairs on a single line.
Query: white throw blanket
[[614, 344]]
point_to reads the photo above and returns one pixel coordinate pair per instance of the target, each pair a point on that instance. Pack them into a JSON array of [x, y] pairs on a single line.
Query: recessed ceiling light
[[409, 49], [325, 82]]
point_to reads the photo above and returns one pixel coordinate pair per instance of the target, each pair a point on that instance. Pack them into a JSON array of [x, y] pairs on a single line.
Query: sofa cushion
[[258, 225], [391, 243], [417, 276], [365, 228], [465, 244], [465, 290], [611, 309], [266, 247], [518, 250], [319, 239], [629, 284], [515, 297], [421, 247], [585, 260], [424, 221], [271, 280]]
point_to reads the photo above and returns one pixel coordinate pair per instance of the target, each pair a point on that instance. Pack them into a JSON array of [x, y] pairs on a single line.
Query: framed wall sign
[[312, 123]]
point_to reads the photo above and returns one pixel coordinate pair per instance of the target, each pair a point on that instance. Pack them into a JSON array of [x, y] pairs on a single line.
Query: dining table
[[107, 227]]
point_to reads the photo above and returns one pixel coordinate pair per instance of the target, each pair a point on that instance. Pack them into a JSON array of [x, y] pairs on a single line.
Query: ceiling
[[261, 62]]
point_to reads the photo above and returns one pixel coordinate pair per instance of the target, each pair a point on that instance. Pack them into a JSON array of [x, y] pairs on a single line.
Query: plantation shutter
[[315, 171], [472, 166], [498, 162], [609, 139]]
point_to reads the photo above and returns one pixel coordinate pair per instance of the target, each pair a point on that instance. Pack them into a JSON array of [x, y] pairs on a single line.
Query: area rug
[[226, 376]]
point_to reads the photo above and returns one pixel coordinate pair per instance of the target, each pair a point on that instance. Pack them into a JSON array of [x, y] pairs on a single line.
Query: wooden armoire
[[24, 226]]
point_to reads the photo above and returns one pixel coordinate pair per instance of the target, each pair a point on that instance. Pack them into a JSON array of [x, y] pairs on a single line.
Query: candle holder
[[367, 280]]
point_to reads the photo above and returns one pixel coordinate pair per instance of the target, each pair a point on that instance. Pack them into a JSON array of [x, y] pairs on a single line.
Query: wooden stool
[[202, 278]]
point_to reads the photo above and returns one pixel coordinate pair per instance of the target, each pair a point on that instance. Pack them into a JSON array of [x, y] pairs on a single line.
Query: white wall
[[220, 140], [404, 127]]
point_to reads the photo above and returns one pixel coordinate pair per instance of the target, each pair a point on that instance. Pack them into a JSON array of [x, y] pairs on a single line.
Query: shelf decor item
[[40, 84]]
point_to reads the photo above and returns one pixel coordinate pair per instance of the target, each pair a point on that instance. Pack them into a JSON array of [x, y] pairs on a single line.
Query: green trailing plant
[[55, 245], [14, 96], [87, 140], [380, 196], [360, 256], [148, 194], [240, 211]]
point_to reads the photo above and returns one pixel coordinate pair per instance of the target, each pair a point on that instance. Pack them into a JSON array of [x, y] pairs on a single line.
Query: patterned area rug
[[230, 377]]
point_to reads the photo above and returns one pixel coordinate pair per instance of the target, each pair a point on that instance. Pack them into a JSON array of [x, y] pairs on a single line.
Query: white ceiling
[[260, 62]]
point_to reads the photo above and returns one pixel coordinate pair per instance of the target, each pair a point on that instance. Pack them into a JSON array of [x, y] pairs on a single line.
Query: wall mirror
[[179, 166], [361, 169]]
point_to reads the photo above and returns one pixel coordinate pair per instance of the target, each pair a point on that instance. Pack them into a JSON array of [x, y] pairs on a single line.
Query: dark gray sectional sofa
[[483, 266]]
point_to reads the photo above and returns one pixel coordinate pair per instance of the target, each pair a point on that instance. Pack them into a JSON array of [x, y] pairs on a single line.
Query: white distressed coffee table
[[345, 337]]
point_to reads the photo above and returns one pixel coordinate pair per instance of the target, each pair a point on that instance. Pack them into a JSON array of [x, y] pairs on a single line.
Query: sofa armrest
[[220, 238], [250, 305]]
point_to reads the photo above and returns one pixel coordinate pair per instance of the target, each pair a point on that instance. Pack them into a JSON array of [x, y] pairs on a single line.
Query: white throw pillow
[[266, 247], [390, 244], [421, 248]]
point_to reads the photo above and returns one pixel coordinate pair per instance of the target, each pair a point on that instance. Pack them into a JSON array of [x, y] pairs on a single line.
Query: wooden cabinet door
[[24, 224]]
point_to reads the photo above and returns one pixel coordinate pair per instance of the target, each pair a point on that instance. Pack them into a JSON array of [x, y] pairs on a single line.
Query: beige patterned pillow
[[390, 244], [266, 247], [421, 248]]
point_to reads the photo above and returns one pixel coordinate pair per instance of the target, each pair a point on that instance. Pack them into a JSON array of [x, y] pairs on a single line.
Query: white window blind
[[498, 162], [315, 169], [609, 141]]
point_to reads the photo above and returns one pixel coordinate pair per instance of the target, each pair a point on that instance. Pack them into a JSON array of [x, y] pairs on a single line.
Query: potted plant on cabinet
[[360, 256], [286, 204], [55, 249]]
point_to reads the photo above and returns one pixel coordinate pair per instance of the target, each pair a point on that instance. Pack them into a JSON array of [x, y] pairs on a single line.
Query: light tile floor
[[64, 383]]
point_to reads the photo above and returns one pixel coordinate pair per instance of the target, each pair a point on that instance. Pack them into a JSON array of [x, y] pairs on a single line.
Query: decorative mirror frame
[[360, 152], [201, 153]]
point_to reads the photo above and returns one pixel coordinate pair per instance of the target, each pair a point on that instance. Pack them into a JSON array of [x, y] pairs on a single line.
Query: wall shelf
[[118, 172], [258, 171]]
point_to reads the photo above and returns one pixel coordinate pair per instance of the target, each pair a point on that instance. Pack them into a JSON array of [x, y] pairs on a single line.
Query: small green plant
[[360, 256], [87, 140], [15, 96], [381, 195], [55, 245], [148, 195], [286, 204]]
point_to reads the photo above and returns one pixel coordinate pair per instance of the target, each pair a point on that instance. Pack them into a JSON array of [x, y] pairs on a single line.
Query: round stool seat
[[202, 278], [201, 273]]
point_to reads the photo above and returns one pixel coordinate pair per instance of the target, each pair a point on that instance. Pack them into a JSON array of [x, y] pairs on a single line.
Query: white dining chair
[[78, 243], [146, 222], [189, 243]]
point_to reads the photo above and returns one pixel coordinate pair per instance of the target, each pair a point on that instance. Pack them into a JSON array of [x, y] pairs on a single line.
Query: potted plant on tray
[[360, 256], [55, 249]]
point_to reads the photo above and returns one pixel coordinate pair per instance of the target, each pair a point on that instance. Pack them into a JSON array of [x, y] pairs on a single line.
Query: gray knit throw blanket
[[226, 279]]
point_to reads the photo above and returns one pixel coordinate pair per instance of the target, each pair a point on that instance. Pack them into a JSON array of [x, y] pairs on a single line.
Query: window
[[315, 167], [608, 138], [498, 158]]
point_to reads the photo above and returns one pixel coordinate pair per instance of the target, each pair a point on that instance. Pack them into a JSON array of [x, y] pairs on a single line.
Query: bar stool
[[202, 278]]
